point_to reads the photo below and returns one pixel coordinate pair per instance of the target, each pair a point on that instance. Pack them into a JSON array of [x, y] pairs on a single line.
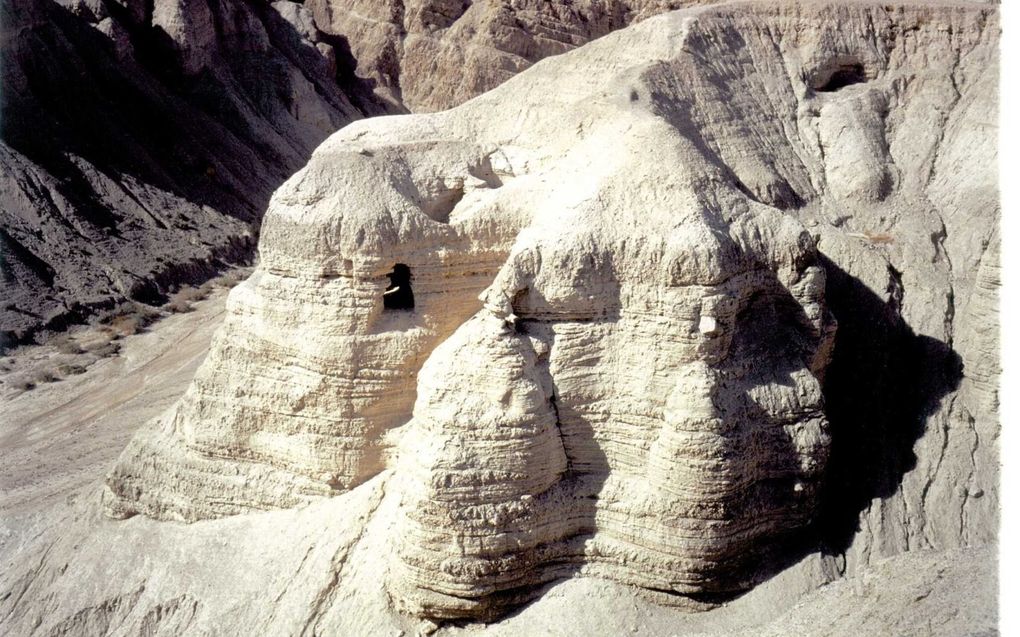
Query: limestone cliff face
[[627, 266], [429, 55], [141, 143]]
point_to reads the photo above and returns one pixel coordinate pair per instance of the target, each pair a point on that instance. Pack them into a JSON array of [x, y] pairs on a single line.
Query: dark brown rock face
[[141, 143]]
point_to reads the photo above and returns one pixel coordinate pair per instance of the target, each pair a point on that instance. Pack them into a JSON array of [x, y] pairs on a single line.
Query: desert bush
[[235, 276], [126, 324], [46, 376], [181, 301], [70, 369], [130, 319], [104, 350], [178, 307], [23, 385], [65, 344]]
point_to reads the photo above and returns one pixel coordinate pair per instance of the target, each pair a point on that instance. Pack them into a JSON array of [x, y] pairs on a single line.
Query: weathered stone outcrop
[[141, 143], [429, 55], [621, 358]]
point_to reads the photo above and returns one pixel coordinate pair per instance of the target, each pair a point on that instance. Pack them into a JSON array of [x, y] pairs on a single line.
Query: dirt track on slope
[[61, 437]]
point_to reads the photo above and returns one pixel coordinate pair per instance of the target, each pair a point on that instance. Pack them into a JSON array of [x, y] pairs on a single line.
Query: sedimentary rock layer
[[621, 357]]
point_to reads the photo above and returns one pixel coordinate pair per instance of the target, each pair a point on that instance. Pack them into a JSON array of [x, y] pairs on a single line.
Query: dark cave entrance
[[841, 76], [398, 296]]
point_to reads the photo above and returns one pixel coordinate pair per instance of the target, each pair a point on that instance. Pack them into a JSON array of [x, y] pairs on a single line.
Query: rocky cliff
[[145, 159], [705, 298], [141, 142], [429, 55]]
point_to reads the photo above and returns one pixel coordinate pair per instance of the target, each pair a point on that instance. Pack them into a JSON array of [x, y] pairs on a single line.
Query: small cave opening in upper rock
[[837, 76], [398, 295]]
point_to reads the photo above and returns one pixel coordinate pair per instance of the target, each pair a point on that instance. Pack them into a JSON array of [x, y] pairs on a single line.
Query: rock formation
[[621, 358], [429, 55], [141, 142], [112, 187]]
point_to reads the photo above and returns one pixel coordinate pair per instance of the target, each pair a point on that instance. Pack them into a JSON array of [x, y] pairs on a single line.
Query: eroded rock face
[[622, 359], [141, 143], [429, 55], [651, 416]]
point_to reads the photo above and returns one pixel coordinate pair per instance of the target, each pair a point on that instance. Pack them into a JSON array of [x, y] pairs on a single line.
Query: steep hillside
[[429, 55], [141, 142]]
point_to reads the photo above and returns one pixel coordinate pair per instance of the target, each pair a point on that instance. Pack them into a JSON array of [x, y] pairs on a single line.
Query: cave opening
[[842, 76], [398, 295]]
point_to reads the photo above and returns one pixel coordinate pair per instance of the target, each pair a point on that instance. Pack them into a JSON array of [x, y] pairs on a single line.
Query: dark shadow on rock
[[773, 341], [68, 92], [143, 151], [360, 90], [883, 383]]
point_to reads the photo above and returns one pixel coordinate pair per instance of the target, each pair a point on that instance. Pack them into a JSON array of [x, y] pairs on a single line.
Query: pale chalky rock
[[622, 358]]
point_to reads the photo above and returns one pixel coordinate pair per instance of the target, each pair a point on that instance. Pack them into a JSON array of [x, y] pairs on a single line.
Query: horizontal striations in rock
[[689, 430], [589, 319], [310, 370]]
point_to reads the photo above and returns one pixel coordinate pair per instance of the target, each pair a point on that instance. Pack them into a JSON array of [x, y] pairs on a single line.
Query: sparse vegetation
[[71, 353], [66, 344], [46, 376], [70, 369], [103, 350], [23, 385], [183, 300], [235, 276], [128, 319]]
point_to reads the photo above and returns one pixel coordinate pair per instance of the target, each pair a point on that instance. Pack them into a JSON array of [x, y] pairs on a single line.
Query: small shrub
[[46, 376], [66, 345], [23, 385], [106, 350], [70, 369], [147, 314], [181, 301], [126, 324], [233, 277], [178, 307]]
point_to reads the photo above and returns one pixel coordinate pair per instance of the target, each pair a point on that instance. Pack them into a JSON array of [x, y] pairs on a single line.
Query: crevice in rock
[[325, 597]]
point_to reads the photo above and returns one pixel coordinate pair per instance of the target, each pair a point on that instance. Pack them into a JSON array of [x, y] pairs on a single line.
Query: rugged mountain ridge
[[430, 55], [147, 159], [141, 143]]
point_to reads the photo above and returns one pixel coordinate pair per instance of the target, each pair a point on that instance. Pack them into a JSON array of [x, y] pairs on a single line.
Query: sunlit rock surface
[[706, 296]]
